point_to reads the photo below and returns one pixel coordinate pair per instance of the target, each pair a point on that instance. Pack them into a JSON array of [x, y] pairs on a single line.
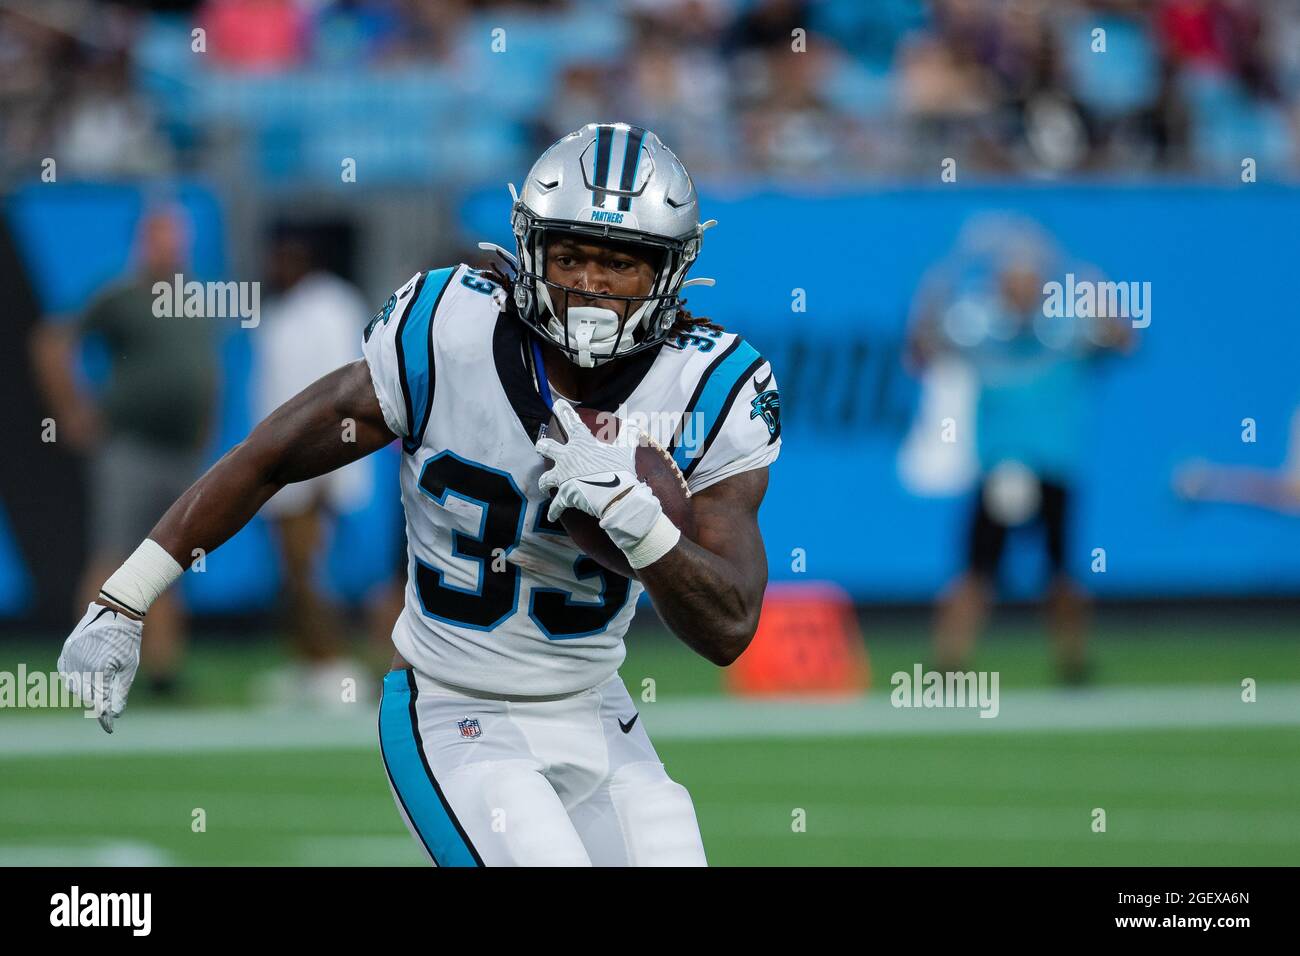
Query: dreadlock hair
[[684, 322]]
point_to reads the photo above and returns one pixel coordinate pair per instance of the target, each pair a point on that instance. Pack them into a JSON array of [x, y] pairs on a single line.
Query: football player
[[506, 733]]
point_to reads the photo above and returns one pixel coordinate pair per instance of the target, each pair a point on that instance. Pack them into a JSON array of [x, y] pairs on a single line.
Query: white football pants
[[568, 782]]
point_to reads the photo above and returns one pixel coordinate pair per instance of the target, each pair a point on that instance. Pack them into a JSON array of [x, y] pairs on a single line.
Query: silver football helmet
[[608, 181]]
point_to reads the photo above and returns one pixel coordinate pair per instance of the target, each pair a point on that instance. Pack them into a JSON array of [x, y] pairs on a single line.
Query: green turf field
[[1186, 772]]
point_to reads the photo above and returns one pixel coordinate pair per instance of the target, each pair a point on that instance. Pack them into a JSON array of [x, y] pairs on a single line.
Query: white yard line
[[892, 822], [91, 853], [700, 718]]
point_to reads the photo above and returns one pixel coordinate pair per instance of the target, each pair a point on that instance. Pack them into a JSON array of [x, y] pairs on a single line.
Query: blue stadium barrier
[[78, 237], [1221, 347]]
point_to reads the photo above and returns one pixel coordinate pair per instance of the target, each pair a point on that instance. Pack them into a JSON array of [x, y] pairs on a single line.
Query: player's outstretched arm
[[331, 423]]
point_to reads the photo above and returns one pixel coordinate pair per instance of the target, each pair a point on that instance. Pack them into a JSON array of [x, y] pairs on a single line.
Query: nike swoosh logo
[[628, 726], [612, 483], [103, 611], [759, 386]]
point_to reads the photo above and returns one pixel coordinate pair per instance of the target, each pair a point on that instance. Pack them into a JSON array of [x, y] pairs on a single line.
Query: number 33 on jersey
[[498, 599]]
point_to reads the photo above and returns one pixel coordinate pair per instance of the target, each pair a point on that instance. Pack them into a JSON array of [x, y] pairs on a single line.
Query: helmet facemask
[[620, 325]]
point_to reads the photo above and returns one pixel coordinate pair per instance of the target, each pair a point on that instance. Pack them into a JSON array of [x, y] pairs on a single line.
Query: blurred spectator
[[1220, 35], [987, 307], [427, 31], [792, 127], [147, 429], [107, 128], [33, 61], [72, 98], [261, 35], [835, 88], [311, 326], [677, 89], [768, 23], [580, 95], [947, 99]]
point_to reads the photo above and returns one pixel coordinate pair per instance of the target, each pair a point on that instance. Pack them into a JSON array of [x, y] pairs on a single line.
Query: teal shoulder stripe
[[713, 396], [415, 353]]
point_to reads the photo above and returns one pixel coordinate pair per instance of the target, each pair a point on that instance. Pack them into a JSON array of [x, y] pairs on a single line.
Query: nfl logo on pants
[[469, 727]]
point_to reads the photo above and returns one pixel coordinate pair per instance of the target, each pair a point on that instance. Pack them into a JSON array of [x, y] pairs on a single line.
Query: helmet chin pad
[[593, 332]]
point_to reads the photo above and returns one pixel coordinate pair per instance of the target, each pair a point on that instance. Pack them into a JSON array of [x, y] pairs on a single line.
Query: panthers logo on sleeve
[[767, 405], [382, 316]]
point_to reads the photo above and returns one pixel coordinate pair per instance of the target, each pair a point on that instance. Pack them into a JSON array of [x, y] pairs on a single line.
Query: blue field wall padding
[[1221, 347]]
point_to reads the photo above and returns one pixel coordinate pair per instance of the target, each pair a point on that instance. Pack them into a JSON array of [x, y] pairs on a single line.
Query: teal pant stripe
[[422, 798]]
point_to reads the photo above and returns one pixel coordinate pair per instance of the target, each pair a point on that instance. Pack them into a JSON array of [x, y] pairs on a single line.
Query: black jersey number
[[495, 596]]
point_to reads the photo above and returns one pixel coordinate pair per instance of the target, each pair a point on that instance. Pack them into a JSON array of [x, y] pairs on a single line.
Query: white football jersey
[[498, 599]]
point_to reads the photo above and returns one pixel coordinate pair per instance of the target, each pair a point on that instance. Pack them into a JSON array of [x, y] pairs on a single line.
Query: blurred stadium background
[[817, 132]]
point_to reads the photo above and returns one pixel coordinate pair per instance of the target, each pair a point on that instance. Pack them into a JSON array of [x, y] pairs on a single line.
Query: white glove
[[99, 660], [588, 473], [601, 480]]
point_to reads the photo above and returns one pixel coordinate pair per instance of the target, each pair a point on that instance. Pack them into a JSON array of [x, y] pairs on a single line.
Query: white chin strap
[[593, 331]]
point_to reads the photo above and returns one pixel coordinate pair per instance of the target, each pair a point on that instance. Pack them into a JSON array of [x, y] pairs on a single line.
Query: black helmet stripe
[[600, 176], [631, 159]]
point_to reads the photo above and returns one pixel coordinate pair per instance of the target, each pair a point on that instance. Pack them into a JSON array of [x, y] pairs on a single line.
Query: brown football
[[654, 466]]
